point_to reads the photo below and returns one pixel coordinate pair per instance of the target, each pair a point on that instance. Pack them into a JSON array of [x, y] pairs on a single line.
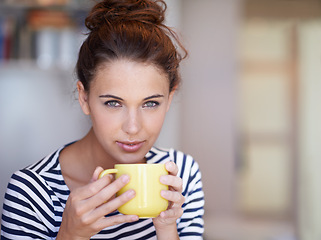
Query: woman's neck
[[94, 152], [78, 161]]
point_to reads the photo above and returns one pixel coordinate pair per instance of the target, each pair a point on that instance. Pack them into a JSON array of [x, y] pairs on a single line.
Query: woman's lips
[[130, 146]]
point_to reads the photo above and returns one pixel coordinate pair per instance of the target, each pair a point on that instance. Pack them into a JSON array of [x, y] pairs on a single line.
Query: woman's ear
[[83, 98]]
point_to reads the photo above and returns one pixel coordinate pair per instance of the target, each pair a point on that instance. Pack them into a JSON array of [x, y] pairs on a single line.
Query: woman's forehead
[[130, 75]]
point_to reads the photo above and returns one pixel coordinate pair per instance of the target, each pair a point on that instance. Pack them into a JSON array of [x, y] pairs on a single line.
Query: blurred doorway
[[280, 85], [268, 111]]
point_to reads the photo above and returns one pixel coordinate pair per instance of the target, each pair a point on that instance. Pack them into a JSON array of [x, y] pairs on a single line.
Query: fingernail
[[170, 164], [135, 218], [164, 193], [125, 178], [162, 214], [163, 178], [131, 193]]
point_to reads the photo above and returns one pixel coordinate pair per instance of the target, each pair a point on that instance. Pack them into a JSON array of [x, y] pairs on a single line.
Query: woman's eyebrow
[[110, 96], [115, 97], [154, 96]]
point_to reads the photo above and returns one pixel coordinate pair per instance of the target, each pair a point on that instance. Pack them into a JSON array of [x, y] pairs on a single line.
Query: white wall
[[38, 114]]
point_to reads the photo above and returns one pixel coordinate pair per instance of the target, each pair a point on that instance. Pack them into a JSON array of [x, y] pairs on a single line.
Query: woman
[[128, 73]]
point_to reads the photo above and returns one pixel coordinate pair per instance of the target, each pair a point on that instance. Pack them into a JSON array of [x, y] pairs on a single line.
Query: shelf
[[47, 34], [69, 6]]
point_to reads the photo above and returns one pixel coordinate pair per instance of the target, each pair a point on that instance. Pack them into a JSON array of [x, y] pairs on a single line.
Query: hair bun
[[113, 11]]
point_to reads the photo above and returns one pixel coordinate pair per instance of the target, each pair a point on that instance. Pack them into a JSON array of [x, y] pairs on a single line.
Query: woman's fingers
[[172, 168], [88, 205], [173, 181], [113, 204], [86, 199], [115, 220], [91, 189], [175, 213], [174, 197], [107, 193], [96, 173]]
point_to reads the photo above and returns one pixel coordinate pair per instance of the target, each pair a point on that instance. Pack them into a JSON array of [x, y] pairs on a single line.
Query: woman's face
[[127, 103]]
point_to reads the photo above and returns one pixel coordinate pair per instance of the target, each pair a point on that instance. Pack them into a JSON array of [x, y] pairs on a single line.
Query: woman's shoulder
[[40, 182], [39, 176], [48, 162]]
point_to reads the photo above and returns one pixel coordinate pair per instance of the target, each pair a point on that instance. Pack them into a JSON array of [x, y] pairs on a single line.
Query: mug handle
[[107, 171]]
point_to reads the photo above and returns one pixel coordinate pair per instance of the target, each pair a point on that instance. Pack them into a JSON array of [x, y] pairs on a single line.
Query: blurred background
[[247, 110]]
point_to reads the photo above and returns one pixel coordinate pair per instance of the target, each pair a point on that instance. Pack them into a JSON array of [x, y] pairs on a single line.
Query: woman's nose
[[132, 123]]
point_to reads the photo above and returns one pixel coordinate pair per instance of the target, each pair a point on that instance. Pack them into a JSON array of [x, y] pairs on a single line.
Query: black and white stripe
[[36, 197]]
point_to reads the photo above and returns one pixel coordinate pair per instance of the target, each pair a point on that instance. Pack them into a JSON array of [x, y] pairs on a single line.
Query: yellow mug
[[144, 179]]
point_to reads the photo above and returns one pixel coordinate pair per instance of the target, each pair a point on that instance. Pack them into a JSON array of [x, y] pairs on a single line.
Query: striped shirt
[[36, 197]]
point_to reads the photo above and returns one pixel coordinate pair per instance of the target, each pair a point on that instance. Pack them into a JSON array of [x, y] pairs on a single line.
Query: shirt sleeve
[[191, 225], [27, 208]]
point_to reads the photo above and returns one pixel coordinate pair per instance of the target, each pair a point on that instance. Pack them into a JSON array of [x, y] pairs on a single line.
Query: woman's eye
[[151, 104], [112, 104]]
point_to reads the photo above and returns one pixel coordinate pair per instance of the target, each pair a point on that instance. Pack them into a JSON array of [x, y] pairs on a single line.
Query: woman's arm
[[191, 224], [27, 205]]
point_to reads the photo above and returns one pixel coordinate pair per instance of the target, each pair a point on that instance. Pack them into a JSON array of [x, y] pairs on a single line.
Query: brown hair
[[130, 29]]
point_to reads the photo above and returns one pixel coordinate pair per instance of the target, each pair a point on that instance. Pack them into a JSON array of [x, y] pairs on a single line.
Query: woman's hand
[[165, 223], [84, 214]]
